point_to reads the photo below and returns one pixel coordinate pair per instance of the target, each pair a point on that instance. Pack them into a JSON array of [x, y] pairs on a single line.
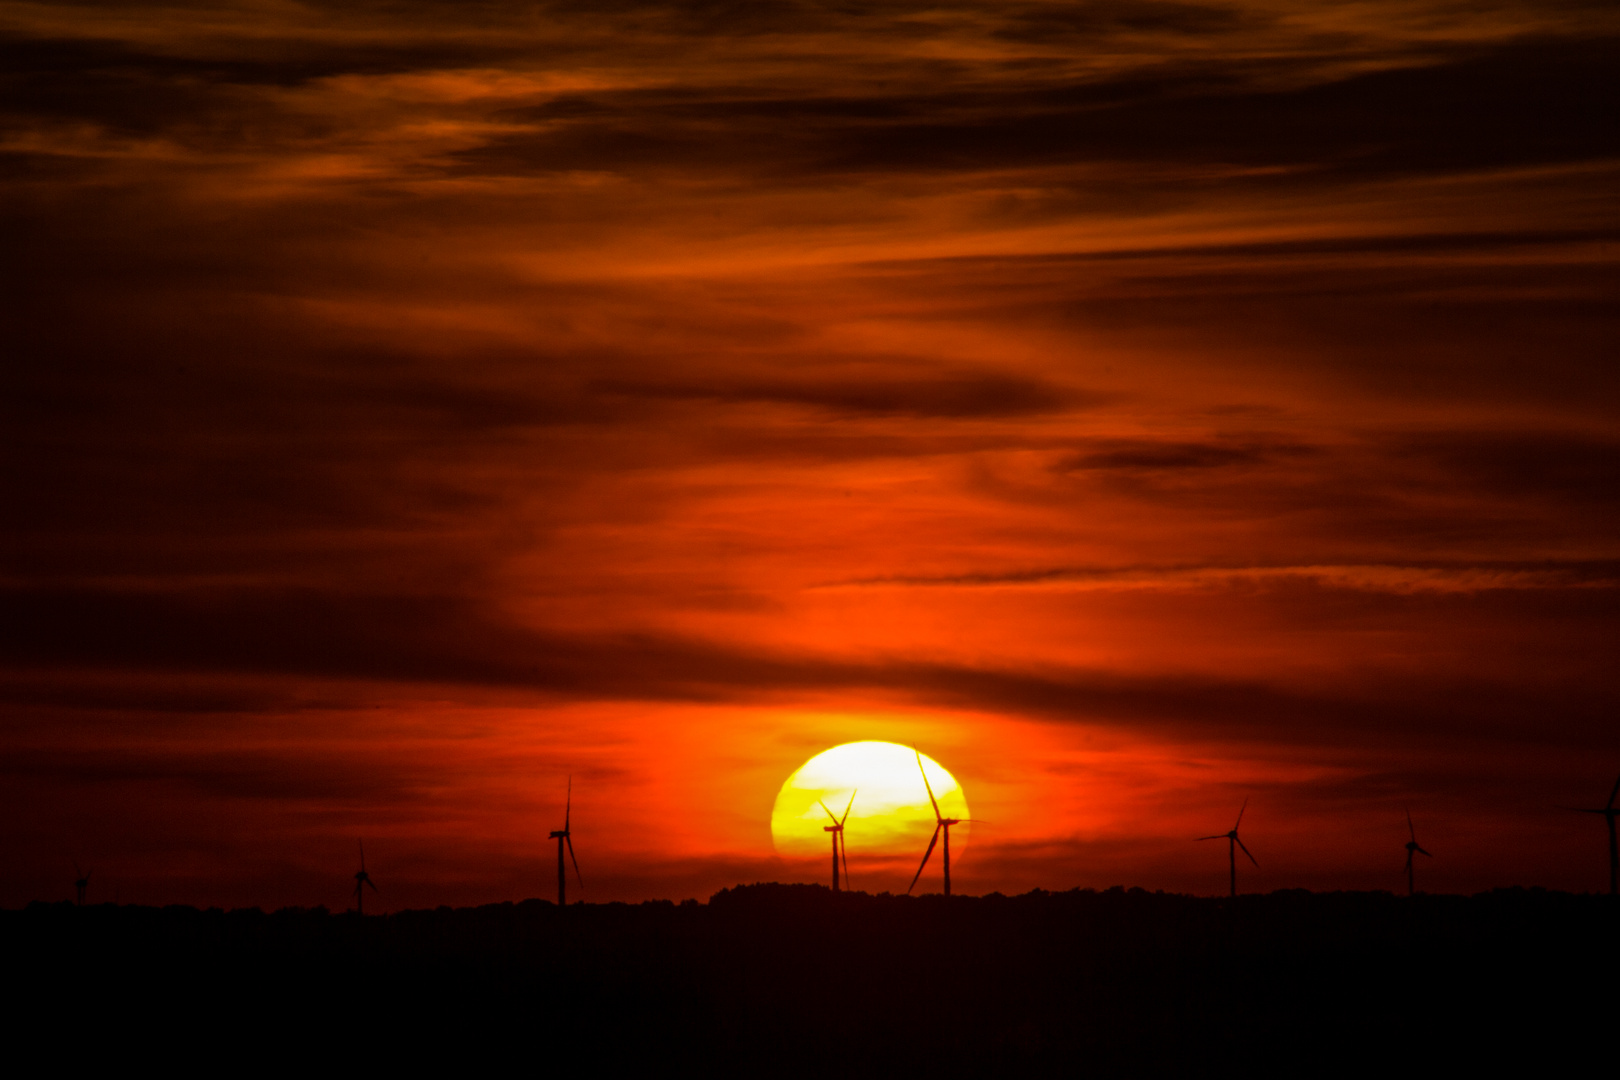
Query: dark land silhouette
[[1113, 983]]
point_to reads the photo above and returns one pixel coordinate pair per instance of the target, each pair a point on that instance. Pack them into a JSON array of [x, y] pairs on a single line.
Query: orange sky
[[1139, 406]]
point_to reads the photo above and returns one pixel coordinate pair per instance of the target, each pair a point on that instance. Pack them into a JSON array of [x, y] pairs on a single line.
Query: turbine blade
[[373, 884], [829, 812], [927, 853], [1222, 836], [1246, 852], [848, 808], [569, 840], [843, 850], [1612, 793], [1420, 851], [937, 815], [1241, 809], [1409, 826]]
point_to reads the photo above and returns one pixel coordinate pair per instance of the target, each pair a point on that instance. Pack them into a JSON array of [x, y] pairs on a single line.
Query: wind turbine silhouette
[[1233, 843], [563, 836], [361, 880], [941, 824], [1609, 812], [1412, 849], [82, 882], [837, 830]]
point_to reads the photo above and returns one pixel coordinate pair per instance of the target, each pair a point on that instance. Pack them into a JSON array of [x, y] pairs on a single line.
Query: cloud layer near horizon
[[1149, 403]]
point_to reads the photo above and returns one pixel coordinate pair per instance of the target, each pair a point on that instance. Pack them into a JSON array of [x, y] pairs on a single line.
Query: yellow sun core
[[890, 814]]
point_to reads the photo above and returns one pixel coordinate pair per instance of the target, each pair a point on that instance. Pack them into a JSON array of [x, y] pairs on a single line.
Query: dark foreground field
[[793, 980]]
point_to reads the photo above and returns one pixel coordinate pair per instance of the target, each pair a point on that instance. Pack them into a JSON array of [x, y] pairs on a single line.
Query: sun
[[890, 814]]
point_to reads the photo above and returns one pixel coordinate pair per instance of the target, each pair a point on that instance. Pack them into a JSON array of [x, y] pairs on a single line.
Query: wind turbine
[[1412, 849], [1609, 812], [562, 836], [941, 824], [82, 882], [1233, 843], [837, 830], [361, 880]]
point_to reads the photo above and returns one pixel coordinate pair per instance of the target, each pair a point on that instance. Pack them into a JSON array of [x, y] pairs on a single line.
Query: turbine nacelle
[[564, 837], [361, 881], [1412, 848], [1609, 814], [839, 850], [1233, 843], [942, 824]]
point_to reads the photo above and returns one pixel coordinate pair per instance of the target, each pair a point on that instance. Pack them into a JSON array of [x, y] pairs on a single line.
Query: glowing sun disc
[[891, 814]]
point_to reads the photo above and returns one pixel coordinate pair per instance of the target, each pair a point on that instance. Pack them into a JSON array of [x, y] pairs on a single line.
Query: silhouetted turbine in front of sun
[[1609, 812], [564, 836], [1233, 843], [942, 824], [362, 881], [1412, 849], [838, 844]]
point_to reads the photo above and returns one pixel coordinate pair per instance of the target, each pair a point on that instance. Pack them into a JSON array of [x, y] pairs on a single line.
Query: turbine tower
[[1233, 843], [82, 882], [1609, 813], [941, 824], [563, 836], [361, 881], [1412, 849], [837, 830]]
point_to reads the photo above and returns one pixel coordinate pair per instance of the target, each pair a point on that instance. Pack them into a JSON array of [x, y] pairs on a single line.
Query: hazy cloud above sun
[[1227, 388]]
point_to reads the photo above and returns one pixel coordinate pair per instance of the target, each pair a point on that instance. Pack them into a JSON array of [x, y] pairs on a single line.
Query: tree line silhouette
[[799, 980]]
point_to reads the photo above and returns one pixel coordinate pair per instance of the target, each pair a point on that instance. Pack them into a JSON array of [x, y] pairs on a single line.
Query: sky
[[1138, 406]]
